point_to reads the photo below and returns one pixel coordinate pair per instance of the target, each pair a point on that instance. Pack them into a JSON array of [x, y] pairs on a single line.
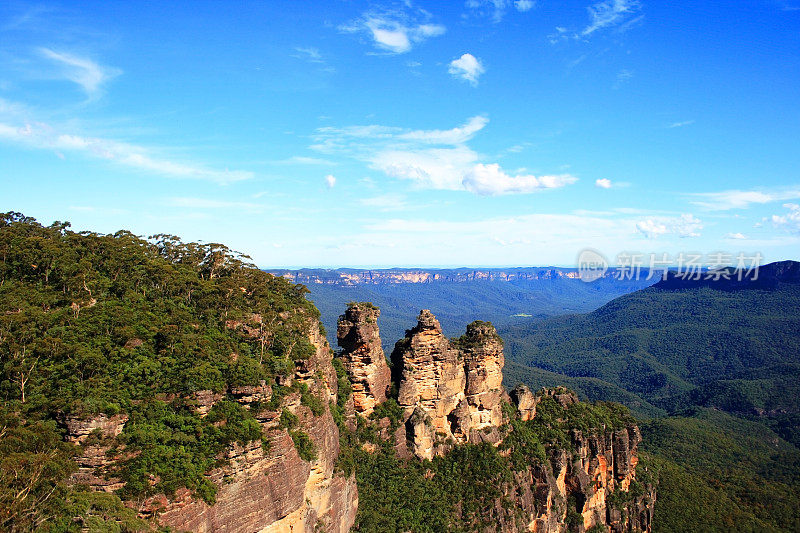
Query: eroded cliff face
[[590, 485], [363, 357], [260, 488]]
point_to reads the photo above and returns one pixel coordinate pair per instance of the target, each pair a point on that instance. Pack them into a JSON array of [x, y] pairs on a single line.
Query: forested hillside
[[716, 367], [109, 325]]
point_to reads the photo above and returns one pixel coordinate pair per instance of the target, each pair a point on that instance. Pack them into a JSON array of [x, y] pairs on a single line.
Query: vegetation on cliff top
[[93, 323]]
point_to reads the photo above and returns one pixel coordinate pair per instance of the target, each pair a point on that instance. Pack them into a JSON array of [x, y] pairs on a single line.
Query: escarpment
[[285, 483]]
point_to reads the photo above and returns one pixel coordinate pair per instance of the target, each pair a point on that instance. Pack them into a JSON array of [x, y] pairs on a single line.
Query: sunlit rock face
[[525, 401], [362, 356], [450, 391]]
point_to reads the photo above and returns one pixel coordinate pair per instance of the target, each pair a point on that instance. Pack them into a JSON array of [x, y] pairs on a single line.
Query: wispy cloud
[[433, 159], [609, 13], [330, 181], [681, 124], [735, 236], [686, 225], [467, 67], [396, 30], [496, 9], [90, 75], [623, 76], [738, 199], [309, 53], [603, 183], [457, 135], [46, 137]]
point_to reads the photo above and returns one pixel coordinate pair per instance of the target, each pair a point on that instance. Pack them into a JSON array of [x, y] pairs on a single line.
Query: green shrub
[[304, 445]]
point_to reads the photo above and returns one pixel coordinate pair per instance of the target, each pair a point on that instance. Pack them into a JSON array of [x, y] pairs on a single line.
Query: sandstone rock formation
[[363, 357], [276, 490], [450, 392], [525, 401]]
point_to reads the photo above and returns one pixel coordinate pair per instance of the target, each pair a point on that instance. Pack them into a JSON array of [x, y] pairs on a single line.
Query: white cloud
[[330, 181], [738, 199], [681, 124], [491, 180], [467, 67], [684, 226], [431, 168], [609, 13], [497, 8], [458, 135], [603, 183], [789, 222], [524, 5], [43, 136], [735, 236], [431, 159], [83, 71], [396, 31]]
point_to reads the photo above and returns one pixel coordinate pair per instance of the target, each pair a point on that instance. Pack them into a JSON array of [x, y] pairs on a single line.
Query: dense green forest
[[715, 370], [93, 323]]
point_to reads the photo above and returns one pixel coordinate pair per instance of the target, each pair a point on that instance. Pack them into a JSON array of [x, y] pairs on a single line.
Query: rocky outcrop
[[363, 357], [94, 437], [483, 363], [525, 401], [450, 392]]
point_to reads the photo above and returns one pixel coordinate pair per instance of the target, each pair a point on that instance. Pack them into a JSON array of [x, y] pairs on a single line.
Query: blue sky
[[346, 133]]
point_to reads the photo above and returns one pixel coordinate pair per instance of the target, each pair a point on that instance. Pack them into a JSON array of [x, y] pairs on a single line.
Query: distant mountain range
[[350, 276], [458, 296]]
